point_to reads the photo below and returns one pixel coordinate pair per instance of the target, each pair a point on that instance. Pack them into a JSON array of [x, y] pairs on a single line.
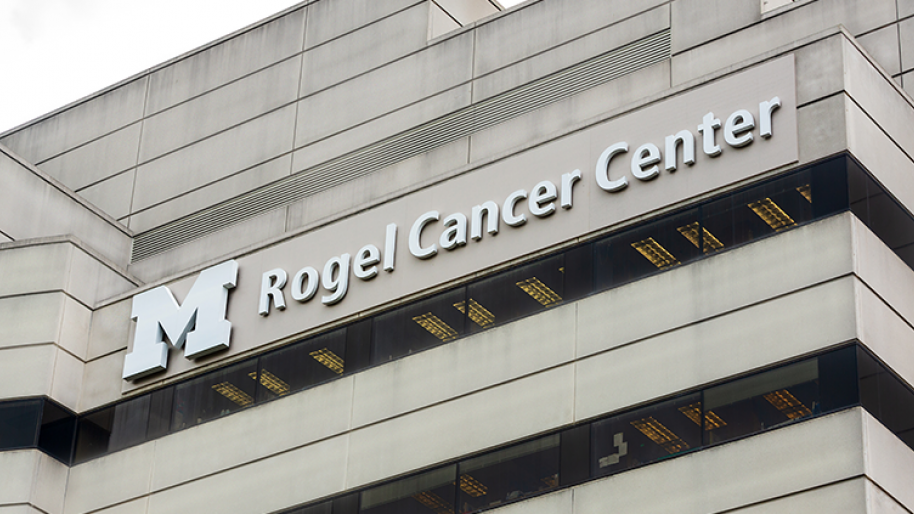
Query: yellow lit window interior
[[772, 214], [472, 487], [433, 502], [690, 232], [652, 251], [271, 382], [693, 412], [539, 291], [333, 361], [551, 481], [478, 314], [788, 404], [660, 434], [234, 394], [806, 191], [436, 326]]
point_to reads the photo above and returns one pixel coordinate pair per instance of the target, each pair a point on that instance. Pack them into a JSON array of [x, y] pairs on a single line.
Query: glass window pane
[[578, 272], [512, 294], [417, 326], [129, 425], [762, 401], [838, 379], [93, 432], [646, 435], [214, 394], [575, 456], [358, 346], [302, 365], [160, 407], [508, 475], [320, 508], [427, 493], [19, 424], [657, 246], [897, 406], [58, 427]]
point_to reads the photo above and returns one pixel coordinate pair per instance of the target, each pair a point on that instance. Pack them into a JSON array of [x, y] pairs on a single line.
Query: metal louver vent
[[552, 88]]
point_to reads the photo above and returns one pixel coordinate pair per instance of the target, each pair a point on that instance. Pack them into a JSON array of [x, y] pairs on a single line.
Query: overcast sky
[[53, 52]]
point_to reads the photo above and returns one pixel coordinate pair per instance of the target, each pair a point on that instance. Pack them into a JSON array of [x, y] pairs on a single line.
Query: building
[[433, 257]]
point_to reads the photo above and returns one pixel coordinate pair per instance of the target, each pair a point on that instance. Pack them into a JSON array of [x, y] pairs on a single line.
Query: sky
[[53, 52]]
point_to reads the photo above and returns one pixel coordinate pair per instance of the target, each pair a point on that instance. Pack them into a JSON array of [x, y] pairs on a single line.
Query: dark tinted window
[[646, 435], [58, 429], [93, 433], [427, 493], [513, 294], [762, 401], [302, 365], [510, 474], [214, 394], [418, 326], [19, 424]]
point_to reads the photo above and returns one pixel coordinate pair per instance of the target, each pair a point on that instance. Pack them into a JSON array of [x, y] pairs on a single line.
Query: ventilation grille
[[552, 88]]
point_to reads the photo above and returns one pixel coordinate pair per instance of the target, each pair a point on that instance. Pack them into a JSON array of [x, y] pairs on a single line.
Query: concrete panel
[[50, 484], [905, 8], [91, 281], [27, 370], [467, 11], [439, 22], [220, 243], [882, 46], [883, 271], [114, 478], [74, 327], [226, 61], [30, 319], [132, 507], [101, 383], [906, 40], [19, 472], [569, 112], [33, 269], [212, 159], [217, 110], [559, 502], [558, 58], [470, 364], [54, 211], [327, 20], [294, 421], [370, 132], [697, 21], [820, 70], [366, 48], [719, 284], [461, 426], [802, 21], [507, 40], [759, 468], [821, 128], [97, 160], [880, 155], [80, 123], [420, 75], [21, 509], [888, 461], [747, 339], [373, 187], [211, 194], [114, 195], [883, 331], [908, 82], [876, 94], [270, 484], [879, 502], [110, 328], [847, 496], [67, 381]]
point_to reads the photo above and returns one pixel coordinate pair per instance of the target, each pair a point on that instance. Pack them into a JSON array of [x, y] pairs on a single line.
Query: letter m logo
[[199, 324]]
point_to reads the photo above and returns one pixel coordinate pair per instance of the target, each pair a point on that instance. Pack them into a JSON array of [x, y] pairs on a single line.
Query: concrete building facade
[[438, 257]]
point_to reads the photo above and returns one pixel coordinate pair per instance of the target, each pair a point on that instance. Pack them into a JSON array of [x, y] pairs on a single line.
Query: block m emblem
[[198, 324]]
